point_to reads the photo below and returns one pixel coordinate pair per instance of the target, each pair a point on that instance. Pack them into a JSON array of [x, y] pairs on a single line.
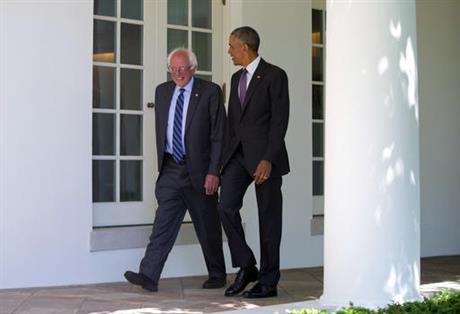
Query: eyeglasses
[[181, 69]]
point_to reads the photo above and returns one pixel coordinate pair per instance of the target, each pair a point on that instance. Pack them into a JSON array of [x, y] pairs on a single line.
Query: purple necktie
[[242, 86]]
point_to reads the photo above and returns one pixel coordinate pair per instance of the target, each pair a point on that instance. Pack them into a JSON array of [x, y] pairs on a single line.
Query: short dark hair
[[249, 36]]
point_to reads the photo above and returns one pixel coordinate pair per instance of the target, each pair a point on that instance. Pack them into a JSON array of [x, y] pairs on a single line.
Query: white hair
[[191, 57]]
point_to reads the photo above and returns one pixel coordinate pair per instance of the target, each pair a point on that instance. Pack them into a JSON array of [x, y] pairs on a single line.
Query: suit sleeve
[[217, 129], [279, 96], [159, 146]]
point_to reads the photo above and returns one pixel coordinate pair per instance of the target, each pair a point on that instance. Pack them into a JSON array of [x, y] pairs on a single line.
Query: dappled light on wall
[[408, 66], [395, 30], [383, 65], [388, 151], [396, 283]]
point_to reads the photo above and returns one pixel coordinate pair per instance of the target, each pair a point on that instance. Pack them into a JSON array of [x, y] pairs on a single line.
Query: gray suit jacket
[[204, 128]]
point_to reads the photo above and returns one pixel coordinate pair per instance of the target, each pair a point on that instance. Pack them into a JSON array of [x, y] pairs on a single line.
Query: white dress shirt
[[251, 68]]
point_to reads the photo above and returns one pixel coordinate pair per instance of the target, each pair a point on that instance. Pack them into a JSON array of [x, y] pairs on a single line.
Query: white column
[[372, 178]]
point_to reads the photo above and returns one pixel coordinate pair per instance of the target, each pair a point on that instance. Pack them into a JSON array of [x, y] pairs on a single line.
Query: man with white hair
[[189, 120]]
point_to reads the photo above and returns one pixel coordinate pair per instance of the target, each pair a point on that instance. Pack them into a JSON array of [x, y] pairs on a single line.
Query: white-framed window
[[131, 41], [197, 25], [318, 43], [119, 152]]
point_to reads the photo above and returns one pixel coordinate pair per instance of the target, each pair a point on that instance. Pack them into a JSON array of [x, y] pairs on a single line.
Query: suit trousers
[[175, 194], [235, 181]]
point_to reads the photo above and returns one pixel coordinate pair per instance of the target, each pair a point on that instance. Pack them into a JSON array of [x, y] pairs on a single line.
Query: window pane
[[177, 12], [130, 180], [177, 38], [318, 108], [132, 9], [131, 89], [103, 180], [318, 139], [202, 46], [104, 41], [131, 44], [103, 134], [105, 7], [201, 13], [103, 87], [318, 177], [317, 26], [204, 77], [131, 135], [317, 54]]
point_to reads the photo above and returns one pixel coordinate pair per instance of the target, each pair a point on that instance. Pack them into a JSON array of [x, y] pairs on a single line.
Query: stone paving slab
[[298, 288]]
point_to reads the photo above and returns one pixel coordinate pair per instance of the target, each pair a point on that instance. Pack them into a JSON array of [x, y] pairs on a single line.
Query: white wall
[[2, 139], [46, 164], [438, 24], [48, 143]]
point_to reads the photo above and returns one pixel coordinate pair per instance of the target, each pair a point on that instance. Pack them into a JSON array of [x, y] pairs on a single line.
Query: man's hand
[[263, 171], [211, 183]]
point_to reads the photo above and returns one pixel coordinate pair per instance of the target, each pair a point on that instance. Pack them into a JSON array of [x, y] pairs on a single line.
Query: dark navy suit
[[180, 186], [255, 132]]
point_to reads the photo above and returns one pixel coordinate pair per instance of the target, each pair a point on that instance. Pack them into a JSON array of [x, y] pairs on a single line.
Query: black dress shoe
[[260, 291], [142, 280], [214, 283], [243, 278]]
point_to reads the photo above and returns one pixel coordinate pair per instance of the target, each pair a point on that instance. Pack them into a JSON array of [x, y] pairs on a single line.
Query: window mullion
[[117, 124]]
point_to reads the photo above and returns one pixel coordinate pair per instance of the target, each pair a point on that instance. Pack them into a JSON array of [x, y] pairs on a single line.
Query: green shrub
[[443, 303]]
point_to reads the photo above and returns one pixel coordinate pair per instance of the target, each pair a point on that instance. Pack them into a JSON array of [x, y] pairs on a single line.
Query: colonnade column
[[372, 177]]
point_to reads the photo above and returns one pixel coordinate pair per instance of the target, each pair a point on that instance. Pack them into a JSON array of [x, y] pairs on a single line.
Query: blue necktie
[[177, 146]]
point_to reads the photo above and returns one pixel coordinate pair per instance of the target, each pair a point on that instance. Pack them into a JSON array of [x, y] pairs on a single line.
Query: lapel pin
[[258, 76], [196, 95]]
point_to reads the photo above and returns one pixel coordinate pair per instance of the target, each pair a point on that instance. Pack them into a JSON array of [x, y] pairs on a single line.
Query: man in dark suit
[[190, 122], [258, 114]]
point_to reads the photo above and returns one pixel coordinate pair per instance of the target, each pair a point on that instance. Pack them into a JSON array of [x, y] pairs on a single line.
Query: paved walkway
[[184, 295]]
